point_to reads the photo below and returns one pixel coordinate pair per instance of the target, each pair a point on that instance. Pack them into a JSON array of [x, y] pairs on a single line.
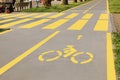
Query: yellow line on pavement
[[90, 8], [27, 15], [26, 53], [41, 15], [2, 15], [56, 24], [56, 15], [14, 23], [101, 25], [13, 15], [6, 20], [103, 16], [5, 32], [110, 59], [72, 15], [79, 37], [87, 16], [78, 25], [34, 24]]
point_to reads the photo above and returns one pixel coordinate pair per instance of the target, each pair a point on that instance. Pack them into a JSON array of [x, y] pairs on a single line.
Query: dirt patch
[[116, 18]]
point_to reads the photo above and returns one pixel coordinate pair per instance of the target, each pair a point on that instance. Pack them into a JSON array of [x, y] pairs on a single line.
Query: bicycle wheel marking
[[73, 57], [70, 51], [82, 62], [50, 59], [89, 60]]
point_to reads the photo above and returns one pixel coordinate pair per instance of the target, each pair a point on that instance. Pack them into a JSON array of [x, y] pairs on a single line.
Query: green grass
[[2, 30], [114, 6], [116, 43], [54, 8]]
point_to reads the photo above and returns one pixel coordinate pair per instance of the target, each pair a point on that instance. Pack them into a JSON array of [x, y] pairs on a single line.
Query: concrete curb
[[112, 23]]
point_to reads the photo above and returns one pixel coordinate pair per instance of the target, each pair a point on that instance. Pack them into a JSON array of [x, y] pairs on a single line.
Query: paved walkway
[[71, 45]]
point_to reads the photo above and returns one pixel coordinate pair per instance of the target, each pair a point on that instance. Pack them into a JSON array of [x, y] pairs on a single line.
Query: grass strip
[[114, 6], [116, 49], [2, 30], [54, 8]]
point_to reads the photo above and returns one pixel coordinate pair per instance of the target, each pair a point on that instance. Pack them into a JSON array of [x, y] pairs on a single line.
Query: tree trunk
[[65, 2], [75, 1], [81, 0], [47, 3]]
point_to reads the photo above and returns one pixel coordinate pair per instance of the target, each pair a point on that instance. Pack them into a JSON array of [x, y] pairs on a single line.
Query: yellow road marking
[[87, 16], [41, 15], [90, 8], [34, 24], [57, 15], [27, 15], [79, 37], [101, 25], [56, 24], [6, 20], [73, 57], [78, 25], [82, 62], [5, 32], [88, 60], [110, 59], [14, 23], [26, 53], [72, 15], [69, 51], [13, 15], [103, 16], [2, 15], [50, 59]]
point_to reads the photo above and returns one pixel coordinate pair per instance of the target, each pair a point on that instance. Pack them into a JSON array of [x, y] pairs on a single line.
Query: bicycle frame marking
[[70, 51]]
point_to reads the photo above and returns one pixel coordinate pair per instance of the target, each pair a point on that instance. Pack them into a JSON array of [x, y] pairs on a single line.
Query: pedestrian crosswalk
[[78, 25], [53, 21], [56, 24], [6, 20], [102, 23], [36, 23], [14, 23]]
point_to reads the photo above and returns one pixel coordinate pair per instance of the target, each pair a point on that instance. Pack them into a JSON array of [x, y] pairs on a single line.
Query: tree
[[47, 3], [75, 1], [65, 2]]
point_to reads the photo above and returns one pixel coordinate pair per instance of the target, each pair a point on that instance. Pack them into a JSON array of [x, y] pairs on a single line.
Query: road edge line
[[26, 53], [111, 74]]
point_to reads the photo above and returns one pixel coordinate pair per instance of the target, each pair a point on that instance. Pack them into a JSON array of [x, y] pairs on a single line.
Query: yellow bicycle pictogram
[[70, 51]]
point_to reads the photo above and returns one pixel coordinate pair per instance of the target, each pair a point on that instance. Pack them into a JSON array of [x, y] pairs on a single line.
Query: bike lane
[[63, 68], [94, 67]]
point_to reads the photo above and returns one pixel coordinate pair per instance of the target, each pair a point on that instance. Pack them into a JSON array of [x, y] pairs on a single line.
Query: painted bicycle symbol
[[70, 51]]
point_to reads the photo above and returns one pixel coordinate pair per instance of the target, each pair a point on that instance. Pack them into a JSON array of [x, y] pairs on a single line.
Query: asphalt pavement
[[71, 45]]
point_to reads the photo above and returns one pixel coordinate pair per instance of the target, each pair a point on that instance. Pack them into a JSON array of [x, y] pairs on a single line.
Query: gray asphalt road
[[69, 46]]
